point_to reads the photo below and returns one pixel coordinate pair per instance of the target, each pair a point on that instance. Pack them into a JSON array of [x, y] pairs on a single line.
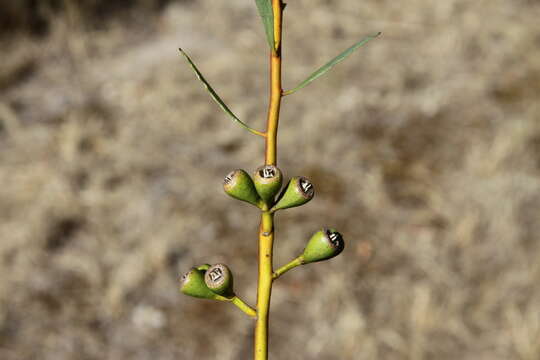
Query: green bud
[[192, 284], [323, 245], [268, 180], [239, 185], [219, 279], [298, 192]]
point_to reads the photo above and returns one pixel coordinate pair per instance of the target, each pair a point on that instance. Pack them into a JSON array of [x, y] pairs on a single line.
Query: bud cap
[[219, 279], [323, 245], [268, 180]]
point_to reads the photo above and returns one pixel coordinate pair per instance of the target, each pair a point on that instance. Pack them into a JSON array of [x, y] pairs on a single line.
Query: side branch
[[244, 307], [282, 270]]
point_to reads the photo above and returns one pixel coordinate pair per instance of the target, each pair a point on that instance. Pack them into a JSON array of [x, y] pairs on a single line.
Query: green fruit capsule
[[219, 279], [268, 180], [239, 185], [192, 284], [298, 192], [323, 245]]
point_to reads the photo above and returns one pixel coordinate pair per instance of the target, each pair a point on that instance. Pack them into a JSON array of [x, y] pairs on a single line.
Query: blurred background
[[424, 147]]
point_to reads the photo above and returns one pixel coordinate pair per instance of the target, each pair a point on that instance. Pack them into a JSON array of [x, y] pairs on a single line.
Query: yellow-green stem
[[275, 88], [282, 270], [266, 239], [244, 307], [266, 231]]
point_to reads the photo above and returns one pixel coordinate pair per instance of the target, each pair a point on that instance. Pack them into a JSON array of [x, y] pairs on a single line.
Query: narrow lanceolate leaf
[[267, 16], [323, 69], [216, 97]]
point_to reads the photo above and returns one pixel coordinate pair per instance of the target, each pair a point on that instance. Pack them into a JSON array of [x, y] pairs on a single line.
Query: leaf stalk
[[216, 97]]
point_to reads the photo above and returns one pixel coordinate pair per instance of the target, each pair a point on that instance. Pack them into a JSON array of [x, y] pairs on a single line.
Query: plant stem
[[275, 87], [282, 270], [266, 230], [243, 306], [266, 240]]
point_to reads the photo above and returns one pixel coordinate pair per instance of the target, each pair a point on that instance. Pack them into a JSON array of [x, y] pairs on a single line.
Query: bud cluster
[[263, 189]]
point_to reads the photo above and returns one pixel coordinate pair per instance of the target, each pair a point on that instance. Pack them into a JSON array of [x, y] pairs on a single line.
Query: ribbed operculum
[[298, 192], [323, 245], [239, 185], [268, 180], [219, 280]]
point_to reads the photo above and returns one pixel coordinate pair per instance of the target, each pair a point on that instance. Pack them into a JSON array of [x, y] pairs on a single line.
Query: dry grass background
[[424, 148]]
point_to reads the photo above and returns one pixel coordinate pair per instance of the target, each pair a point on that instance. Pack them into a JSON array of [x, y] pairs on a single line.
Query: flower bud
[[298, 192], [268, 180], [239, 185], [203, 267], [192, 284], [219, 279], [323, 245]]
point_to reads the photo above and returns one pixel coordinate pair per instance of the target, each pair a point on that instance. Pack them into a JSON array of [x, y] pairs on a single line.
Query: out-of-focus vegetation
[[37, 16], [424, 148]]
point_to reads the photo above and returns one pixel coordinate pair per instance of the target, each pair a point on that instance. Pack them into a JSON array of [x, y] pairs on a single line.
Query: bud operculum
[[268, 180], [192, 284], [298, 192], [239, 185], [323, 245], [218, 278]]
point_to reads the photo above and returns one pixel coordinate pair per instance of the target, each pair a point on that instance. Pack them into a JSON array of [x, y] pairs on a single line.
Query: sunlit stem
[[282, 270], [266, 230], [243, 306]]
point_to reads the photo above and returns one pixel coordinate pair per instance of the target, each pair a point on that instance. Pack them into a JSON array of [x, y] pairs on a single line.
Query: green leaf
[[216, 97], [331, 64], [267, 16]]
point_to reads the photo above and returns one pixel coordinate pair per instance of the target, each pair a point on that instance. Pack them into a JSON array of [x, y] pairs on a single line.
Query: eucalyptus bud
[[192, 284], [298, 192], [323, 245], [239, 185], [219, 279], [268, 180]]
